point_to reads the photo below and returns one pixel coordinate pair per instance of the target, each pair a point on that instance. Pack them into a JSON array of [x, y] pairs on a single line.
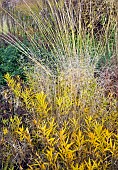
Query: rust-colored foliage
[[109, 77]]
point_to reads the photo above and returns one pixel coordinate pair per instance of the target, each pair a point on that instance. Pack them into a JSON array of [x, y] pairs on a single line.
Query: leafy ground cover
[[61, 129]]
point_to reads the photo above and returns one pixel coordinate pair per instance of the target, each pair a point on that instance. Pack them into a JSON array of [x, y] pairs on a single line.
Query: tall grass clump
[[58, 30], [61, 118]]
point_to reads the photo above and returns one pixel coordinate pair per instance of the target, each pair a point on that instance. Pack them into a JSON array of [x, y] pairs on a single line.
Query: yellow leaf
[[5, 131]]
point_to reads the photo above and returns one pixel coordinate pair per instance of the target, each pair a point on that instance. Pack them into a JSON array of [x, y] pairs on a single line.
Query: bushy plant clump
[[10, 62], [66, 124]]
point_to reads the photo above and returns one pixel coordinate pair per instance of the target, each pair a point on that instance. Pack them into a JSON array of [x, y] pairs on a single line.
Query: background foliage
[[10, 61]]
